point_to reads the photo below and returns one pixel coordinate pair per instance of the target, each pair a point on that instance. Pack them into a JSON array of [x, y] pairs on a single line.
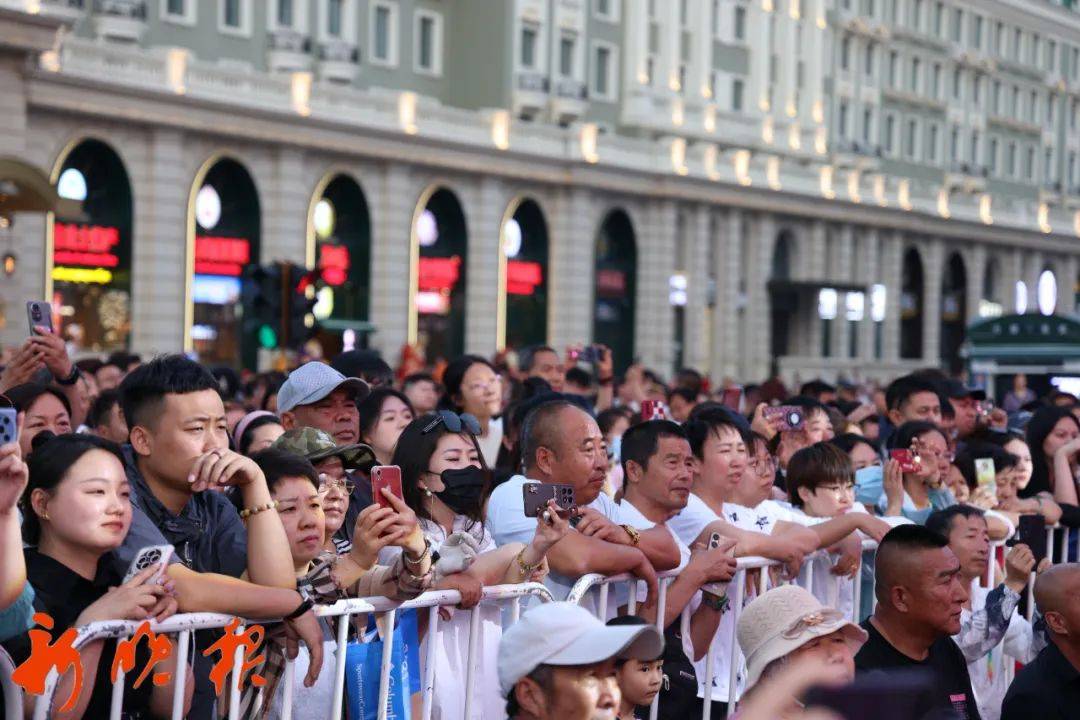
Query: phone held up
[[535, 497], [386, 476], [909, 461], [1031, 531], [38, 314], [653, 410], [148, 556], [8, 425], [790, 417]]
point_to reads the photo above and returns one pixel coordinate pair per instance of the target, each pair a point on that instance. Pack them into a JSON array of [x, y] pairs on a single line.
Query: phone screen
[[1032, 532]]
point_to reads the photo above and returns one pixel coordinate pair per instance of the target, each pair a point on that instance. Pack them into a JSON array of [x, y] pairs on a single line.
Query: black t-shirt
[[945, 661], [64, 594]]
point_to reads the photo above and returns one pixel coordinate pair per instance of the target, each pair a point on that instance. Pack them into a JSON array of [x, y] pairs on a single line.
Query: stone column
[[1035, 262], [844, 262], [284, 233], [728, 257], [695, 331], [572, 274], [933, 269], [1012, 272], [1066, 285], [757, 340], [892, 252], [975, 265], [482, 273], [654, 317], [393, 200], [868, 273]]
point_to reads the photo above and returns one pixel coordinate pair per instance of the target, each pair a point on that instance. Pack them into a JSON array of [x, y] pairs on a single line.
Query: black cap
[[957, 390]]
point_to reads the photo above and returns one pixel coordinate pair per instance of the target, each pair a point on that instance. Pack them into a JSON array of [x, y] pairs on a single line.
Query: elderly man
[[1049, 688], [558, 663], [921, 596], [316, 395]]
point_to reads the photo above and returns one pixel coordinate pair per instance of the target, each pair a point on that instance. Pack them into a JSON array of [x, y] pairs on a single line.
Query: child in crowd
[[640, 678]]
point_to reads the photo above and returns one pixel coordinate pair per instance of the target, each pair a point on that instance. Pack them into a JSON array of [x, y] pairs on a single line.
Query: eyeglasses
[[838, 490], [326, 483], [763, 467], [454, 423]]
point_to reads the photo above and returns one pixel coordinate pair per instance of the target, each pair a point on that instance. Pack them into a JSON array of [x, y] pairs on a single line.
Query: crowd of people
[[262, 495]]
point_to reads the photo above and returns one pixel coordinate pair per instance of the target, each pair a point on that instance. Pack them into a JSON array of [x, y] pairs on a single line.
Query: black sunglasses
[[454, 423]]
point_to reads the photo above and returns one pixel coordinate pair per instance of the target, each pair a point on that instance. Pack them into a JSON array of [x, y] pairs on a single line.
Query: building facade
[[830, 187]]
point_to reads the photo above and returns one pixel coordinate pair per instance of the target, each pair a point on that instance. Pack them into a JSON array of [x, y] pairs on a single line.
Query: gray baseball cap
[[313, 381]]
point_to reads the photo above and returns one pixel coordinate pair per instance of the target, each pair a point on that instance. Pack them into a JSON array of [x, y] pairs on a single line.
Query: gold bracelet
[[526, 568], [248, 512]]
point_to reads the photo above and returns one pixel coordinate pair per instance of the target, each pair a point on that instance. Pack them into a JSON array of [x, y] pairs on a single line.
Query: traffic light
[[261, 298], [300, 317]]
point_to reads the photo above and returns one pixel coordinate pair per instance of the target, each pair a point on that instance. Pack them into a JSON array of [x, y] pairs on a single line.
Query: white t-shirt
[[989, 678], [507, 523], [490, 443]]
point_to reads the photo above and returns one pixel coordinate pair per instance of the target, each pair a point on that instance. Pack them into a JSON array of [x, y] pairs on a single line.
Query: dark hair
[[690, 379], [52, 457], [272, 380], [607, 419], [901, 389], [710, 422], [371, 406], [98, 414], [527, 356], [541, 428], [849, 441], [640, 442], [228, 382], [808, 404], [145, 388], [123, 360], [631, 621], [454, 375], [1039, 427], [89, 366], [413, 455], [366, 365], [244, 441], [685, 393], [417, 378], [965, 461], [543, 675], [816, 388], [278, 465], [907, 432], [578, 376], [940, 521], [24, 396], [901, 543], [817, 465], [948, 412]]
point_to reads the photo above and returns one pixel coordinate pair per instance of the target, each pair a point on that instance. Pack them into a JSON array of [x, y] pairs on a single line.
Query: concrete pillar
[[159, 245], [757, 338], [1066, 285], [1034, 268], [933, 270], [1012, 272], [975, 266], [482, 267], [844, 262], [728, 255], [393, 202], [868, 272], [696, 268], [813, 259], [758, 32], [654, 317], [571, 267], [892, 255], [285, 208]]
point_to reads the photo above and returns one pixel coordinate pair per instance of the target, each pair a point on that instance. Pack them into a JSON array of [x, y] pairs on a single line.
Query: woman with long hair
[[444, 480], [474, 387], [1053, 435], [384, 413], [78, 511], [923, 490]]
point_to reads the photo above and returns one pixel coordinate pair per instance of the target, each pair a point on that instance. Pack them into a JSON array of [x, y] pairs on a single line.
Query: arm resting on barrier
[[660, 548], [210, 592]]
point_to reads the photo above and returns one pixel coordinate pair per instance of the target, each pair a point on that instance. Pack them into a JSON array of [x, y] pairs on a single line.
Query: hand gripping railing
[[185, 625]]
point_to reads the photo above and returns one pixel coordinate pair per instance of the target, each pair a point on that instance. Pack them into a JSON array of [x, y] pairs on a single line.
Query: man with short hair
[[105, 418], [992, 633], [965, 404], [910, 398], [562, 444], [108, 376], [422, 391], [544, 362], [819, 390], [921, 599], [558, 663], [578, 382], [1049, 687]]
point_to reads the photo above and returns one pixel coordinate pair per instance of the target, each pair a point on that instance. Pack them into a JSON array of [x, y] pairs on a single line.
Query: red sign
[[437, 273], [85, 245], [221, 255], [523, 277], [334, 264], [610, 283]]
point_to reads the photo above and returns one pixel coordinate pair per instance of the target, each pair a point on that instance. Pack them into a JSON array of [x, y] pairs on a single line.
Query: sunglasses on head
[[454, 423]]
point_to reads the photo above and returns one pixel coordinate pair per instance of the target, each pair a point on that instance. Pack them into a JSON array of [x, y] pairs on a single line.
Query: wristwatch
[[635, 536], [719, 603], [72, 378]]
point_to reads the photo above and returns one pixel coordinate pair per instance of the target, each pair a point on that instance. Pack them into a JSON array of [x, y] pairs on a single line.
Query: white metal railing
[[1056, 554], [184, 625]]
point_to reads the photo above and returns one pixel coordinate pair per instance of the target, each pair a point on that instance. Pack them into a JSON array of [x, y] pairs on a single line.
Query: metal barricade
[[13, 696], [184, 625]]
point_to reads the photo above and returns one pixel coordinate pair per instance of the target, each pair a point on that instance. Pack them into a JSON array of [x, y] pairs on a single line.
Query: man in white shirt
[[993, 635], [562, 444]]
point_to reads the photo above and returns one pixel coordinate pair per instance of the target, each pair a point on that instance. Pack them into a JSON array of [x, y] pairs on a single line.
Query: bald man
[[1049, 688], [920, 596]]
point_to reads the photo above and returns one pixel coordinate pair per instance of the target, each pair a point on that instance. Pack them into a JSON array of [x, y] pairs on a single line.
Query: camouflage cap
[[316, 445]]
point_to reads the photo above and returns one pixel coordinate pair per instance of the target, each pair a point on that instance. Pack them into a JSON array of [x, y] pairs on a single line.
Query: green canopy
[[1024, 339]]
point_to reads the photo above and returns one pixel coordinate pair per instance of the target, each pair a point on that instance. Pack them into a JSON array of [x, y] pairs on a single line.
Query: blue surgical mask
[[869, 484]]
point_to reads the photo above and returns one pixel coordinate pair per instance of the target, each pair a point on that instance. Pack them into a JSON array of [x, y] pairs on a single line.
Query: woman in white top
[[445, 481], [473, 387]]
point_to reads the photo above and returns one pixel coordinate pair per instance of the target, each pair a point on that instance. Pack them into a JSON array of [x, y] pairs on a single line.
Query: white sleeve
[[692, 520], [1019, 639]]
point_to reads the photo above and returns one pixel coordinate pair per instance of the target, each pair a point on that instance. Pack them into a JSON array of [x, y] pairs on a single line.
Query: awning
[[25, 188], [1025, 339]]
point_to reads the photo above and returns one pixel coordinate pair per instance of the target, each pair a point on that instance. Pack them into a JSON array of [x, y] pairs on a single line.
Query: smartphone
[[716, 588], [1032, 532], [909, 461], [590, 354], [791, 416], [653, 410], [896, 695], [732, 398], [150, 556], [536, 496], [9, 430], [985, 407], [38, 314], [985, 474], [386, 476]]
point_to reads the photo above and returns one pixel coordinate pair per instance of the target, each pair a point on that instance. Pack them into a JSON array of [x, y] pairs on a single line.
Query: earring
[[45, 516], [427, 493]]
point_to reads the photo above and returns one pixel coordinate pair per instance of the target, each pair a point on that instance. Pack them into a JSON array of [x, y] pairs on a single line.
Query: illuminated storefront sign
[[523, 277], [85, 246], [439, 273], [221, 255], [334, 263]]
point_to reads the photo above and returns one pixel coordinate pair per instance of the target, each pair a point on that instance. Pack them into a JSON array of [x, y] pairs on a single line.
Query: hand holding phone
[[9, 430], [1031, 531], [39, 314], [535, 497], [785, 418], [386, 477], [909, 462], [152, 555], [653, 410], [986, 475]]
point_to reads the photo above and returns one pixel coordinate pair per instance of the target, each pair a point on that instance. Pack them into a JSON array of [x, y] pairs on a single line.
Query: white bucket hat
[[783, 620]]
